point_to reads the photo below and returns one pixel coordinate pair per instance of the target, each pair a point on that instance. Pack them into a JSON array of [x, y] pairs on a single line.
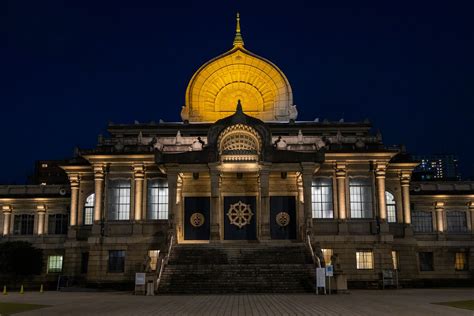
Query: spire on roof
[[239, 107], [238, 40]]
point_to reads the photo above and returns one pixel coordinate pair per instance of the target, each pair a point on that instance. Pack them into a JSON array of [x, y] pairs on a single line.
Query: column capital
[[405, 177], [341, 169], [99, 170], [74, 179], [470, 205], [308, 168], [41, 208], [138, 171], [7, 208], [439, 206], [380, 169]]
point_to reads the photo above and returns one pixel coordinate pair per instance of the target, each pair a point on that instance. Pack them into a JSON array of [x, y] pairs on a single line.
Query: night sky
[[69, 67]]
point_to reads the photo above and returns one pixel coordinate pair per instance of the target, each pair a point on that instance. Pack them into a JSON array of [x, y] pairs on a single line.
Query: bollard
[[21, 290], [5, 290], [41, 288]]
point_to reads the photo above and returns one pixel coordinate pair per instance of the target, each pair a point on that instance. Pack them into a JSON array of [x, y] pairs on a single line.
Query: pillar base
[[215, 232]]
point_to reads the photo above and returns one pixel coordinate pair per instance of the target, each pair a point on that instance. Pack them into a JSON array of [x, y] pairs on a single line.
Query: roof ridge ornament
[[239, 107], [238, 40]]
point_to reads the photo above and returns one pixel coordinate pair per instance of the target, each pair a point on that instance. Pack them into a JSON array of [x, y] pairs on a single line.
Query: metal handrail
[[316, 260], [164, 261]]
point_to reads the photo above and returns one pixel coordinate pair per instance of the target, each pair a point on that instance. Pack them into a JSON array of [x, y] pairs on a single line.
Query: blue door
[[240, 215], [283, 217], [197, 218]]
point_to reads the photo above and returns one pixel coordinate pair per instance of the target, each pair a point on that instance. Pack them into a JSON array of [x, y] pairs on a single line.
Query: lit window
[[365, 260], [119, 199], [57, 224], [89, 210], [360, 198], [456, 221], [422, 222], [55, 264], [43, 183], [154, 255], [327, 254], [23, 224], [394, 260], [157, 199], [391, 207], [44, 165], [322, 198], [116, 260], [426, 261], [460, 261]]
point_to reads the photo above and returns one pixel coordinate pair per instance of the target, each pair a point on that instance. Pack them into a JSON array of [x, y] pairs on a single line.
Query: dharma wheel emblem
[[240, 214], [197, 219], [283, 219]]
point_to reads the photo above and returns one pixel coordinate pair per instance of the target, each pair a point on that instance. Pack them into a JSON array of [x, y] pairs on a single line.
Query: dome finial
[[238, 40], [239, 107]]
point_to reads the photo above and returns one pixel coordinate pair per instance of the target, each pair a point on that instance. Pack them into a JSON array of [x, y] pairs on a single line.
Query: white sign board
[[321, 277], [140, 278], [329, 271]]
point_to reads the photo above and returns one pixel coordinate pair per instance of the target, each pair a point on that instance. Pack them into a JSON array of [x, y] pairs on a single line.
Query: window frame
[[322, 212], [361, 259], [428, 254], [24, 227], [157, 202], [117, 188], [116, 264], [458, 228], [89, 206], [464, 261], [364, 183], [56, 268], [415, 216], [60, 222], [391, 206]]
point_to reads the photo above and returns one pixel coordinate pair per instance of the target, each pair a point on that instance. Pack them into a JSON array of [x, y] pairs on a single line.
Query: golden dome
[[238, 74]]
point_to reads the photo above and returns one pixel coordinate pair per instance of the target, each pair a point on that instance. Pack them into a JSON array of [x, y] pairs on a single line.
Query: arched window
[[89, 209], [391, 207], [239, 143]]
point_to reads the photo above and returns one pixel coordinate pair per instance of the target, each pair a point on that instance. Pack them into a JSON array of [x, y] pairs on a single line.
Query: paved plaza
[[358, 302]]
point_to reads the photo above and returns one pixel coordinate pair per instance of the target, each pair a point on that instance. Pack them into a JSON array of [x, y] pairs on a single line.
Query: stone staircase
[[238, 268]]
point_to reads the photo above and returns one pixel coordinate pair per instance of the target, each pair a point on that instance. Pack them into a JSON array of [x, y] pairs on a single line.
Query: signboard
[[321, 277], [329, 271], [140, 278]]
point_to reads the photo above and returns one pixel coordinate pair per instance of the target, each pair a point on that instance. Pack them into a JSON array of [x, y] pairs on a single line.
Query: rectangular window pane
[[55, 264], [422, 222], [395, 260], [327, 254], [321, 193], [119, 199], [116, 260], [23, 224], [57, 224], [157, 199], [154, 255], [460, 261], [457, 221], [364, 260], [426, 261], [361, 203]]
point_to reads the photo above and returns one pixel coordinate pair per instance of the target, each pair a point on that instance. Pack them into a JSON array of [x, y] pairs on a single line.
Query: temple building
[[239, 195]]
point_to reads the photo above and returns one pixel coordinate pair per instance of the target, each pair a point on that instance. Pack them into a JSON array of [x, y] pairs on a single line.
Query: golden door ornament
[[197, 219], [240, 214], [282, 219]]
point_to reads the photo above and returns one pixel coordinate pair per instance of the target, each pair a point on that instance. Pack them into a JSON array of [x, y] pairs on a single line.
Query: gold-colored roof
[[238, 74]]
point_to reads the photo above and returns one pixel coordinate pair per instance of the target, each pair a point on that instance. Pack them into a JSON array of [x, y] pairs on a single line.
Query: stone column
[[172, 191], [215, 195], [41, 211], [265, 203], [405, 183], [341, 189], [99, 170], [74, 180], [138, 176], [380, 169], [7, 214], [439, 207], [308, 169]]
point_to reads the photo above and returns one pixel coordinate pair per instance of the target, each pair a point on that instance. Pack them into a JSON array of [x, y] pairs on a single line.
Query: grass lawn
[[13, 308], [459, 304]]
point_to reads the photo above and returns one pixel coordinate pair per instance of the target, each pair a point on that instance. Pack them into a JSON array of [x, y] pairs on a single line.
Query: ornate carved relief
[[240, 214]]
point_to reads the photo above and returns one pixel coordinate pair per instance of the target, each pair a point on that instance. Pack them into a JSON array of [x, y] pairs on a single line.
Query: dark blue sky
[[69, 67]]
